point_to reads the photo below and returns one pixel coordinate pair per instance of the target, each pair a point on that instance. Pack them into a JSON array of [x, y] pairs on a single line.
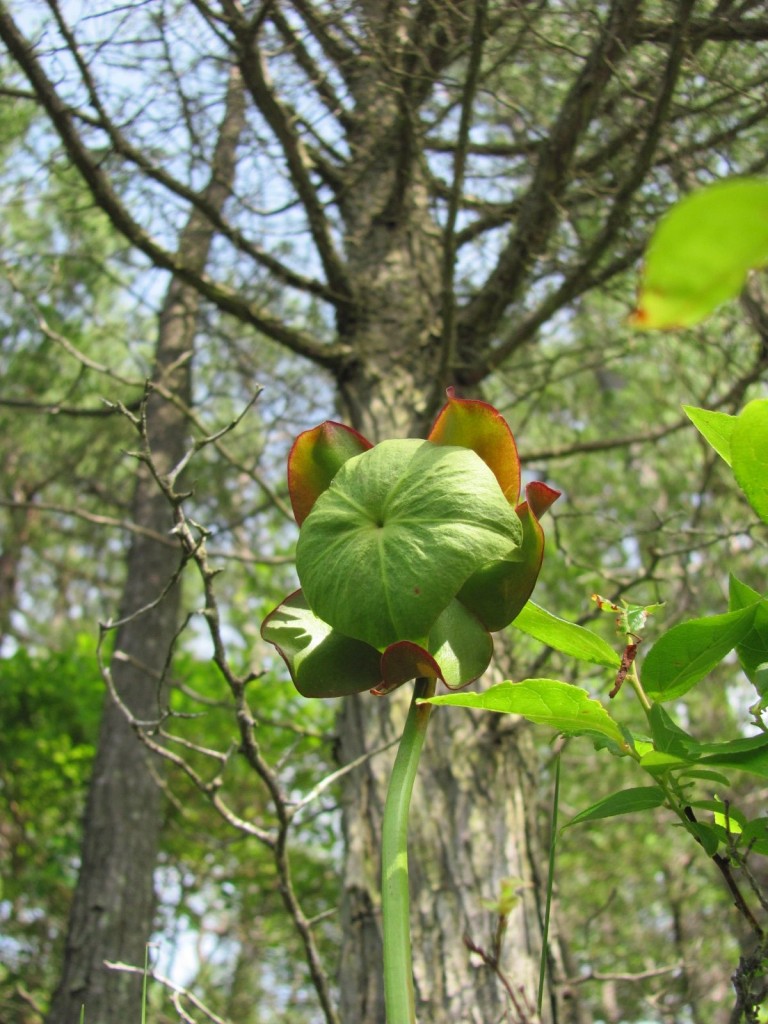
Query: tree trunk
[[114, 902], [472, 824], [12, 549], [472, 829]]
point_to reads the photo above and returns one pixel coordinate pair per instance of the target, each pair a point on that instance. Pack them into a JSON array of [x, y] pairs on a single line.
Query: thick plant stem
[[398, 967]]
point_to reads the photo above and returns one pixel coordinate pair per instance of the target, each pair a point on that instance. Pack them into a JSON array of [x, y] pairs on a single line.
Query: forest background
[[224, 223]]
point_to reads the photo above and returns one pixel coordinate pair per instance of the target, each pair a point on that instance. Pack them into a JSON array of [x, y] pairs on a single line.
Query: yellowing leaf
[[701, 253]]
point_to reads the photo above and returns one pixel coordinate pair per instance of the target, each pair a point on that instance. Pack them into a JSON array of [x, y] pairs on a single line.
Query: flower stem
[[395, 902]]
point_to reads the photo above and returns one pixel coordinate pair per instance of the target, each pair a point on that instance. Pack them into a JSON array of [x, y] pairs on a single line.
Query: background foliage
[[596, 409]]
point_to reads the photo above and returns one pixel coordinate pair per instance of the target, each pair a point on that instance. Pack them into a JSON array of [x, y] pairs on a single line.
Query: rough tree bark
[[114, 902], [466, 840]]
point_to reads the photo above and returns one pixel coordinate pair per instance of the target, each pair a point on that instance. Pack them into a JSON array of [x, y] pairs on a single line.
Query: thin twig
[[178, 991]]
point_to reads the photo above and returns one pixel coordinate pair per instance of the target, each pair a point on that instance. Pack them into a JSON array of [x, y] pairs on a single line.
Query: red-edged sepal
[[315, 459], [458, 649], [540, 498], [469, 423], [403, 661]]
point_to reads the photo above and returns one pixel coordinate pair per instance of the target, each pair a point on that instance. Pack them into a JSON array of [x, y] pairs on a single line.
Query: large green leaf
[[567, 637], [628, 801], [701, 252], [749, 454], [690, 650], [388, 545], [563, 707]]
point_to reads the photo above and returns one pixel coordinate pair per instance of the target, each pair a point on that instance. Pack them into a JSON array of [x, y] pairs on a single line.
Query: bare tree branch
[[227, 299], [538, 214]]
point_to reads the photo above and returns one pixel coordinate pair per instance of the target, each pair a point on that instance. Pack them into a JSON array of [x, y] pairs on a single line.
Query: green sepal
[[461, 645], [321, 661], [497, 593], [389, 544], [458, 650]]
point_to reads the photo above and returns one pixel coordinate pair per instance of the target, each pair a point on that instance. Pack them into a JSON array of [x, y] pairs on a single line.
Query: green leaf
[[567, 637], [635, 616], [563, 707], [707, 835], [753, 649], [706, 774], [746, 754], [688, 651], [715, 427], [731, 819], [628, 801], [630, 618], [668, 737], [749, 452], [754, 836], [740, 595], [701, 252], [659, 762], [400, 528]]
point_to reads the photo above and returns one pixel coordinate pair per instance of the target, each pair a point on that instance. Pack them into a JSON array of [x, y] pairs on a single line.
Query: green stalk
[[550, 886], [144, 986], [395, 901]]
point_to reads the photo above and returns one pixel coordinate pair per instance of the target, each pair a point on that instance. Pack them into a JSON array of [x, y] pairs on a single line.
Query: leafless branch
[[227, 299], [178, 992]]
